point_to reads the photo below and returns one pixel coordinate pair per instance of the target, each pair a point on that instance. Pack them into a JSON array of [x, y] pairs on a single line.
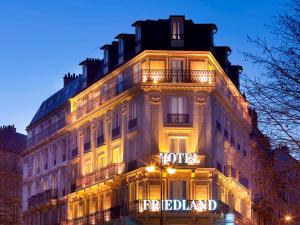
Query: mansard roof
[[58, 99]]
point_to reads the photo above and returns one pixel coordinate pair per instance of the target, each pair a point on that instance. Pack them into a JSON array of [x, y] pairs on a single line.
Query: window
[[177, 105], [54, 182], [105, 56], [121, 47], [74, 171], [138, 33], [87, 167], [137, 73], [87, 138], [116, 155], [100, 133], [54, 154], [132, 150], [116, 131], [105, 92], [106, 200], [177, 144], [201, 192], [102, 161], [178, 189], [177, 29], [140, 190], [119, 84], [154, 192], [116, 119], [132, 191], [132, 111]]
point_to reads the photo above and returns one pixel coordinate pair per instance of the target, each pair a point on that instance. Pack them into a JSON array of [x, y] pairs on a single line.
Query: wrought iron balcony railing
[[42, 197], [178, 118], [99, 175], [99, 217], [46, 132], [177, 76]]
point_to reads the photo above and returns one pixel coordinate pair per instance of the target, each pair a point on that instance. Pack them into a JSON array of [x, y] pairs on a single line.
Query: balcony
[[99, 217], [115, 132], [177, 76], [46, 132], [177, 118], [42, 198], [99, 176], [132, 124], [106, 95]]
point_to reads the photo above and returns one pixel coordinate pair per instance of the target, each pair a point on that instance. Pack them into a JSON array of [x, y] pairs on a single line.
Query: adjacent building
[[155, 132], [11, 146]]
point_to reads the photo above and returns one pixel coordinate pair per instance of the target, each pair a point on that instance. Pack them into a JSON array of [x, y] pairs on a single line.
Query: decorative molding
[[200, 100], [155, 100]]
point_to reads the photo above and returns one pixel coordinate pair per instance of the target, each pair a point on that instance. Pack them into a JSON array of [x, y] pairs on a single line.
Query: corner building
[[165, 89]]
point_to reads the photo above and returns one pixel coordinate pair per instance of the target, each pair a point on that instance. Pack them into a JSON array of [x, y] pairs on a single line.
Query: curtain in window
[[178, 189]]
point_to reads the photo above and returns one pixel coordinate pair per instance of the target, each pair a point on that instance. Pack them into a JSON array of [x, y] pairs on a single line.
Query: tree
[[276, 94]]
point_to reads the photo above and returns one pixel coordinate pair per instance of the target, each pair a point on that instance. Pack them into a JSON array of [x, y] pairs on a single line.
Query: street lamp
[[170, 170], [287, 218]]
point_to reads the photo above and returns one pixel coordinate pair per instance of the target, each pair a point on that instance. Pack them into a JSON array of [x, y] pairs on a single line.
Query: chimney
[[253, 115], [234, 72], [69, 78], [9, 128]]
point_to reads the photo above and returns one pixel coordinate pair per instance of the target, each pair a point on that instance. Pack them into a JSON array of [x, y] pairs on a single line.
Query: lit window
[[137, 73], [154, 192], [87, 167], [177, 30], [178, 189], [201, 192], [106, 200], [121, 47], [132, 111], [132, 192], [116, 155], [138, 33], [102, 161], [178, 105], [177, 144], [116, 119], [105, 56]]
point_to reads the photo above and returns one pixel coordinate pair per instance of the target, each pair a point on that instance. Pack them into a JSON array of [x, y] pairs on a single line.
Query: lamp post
[[169, 170]]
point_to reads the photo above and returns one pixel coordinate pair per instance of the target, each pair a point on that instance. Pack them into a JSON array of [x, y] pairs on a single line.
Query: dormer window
[[177, 29], [105, 56], [121, 47], [138, 34]]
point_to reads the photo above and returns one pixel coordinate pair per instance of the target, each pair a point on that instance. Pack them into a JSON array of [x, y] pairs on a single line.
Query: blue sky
[[40, 41]]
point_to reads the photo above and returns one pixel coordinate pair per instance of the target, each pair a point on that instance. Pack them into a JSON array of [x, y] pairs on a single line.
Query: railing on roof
[[46, 132], [178, 76], [116, 87]]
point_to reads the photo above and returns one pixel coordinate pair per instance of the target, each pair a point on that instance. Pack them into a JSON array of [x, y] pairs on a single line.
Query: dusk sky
[[41, 41]]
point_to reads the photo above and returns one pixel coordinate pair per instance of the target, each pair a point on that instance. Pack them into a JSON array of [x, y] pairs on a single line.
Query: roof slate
[[58, 99]]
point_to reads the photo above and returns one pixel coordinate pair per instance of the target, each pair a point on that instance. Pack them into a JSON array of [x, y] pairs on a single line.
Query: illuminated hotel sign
[[179, 158], [177, 205]]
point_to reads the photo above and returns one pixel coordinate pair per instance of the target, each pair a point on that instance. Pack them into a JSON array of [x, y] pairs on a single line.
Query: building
[[287, 170], [275, 180], [11, 146], [99, 150]]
